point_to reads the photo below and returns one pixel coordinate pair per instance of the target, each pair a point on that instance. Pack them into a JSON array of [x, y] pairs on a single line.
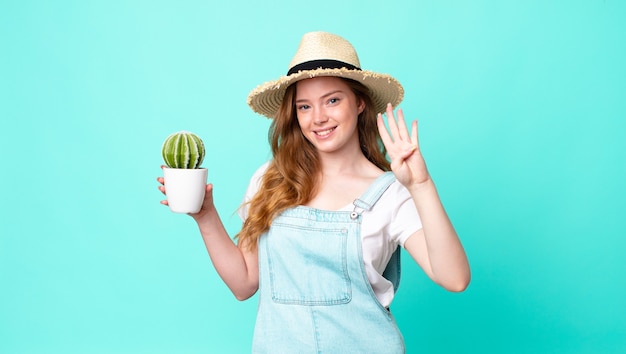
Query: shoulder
[[255, 180], [258, 174], [397, 207], [396, 194], [392, 201], [253, 188]]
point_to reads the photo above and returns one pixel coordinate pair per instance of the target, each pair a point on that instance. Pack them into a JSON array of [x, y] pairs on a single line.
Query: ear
[[361, 106]]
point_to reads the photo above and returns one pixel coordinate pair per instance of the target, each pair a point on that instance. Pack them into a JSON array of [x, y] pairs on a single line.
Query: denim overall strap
[[372, 194], [365, 203]]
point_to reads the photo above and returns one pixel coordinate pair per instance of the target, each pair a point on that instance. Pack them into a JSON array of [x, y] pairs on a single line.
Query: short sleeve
[[405, 220], [253, 188]]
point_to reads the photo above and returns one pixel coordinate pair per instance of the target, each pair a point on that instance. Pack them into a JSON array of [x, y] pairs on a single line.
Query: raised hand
[[407, 162]]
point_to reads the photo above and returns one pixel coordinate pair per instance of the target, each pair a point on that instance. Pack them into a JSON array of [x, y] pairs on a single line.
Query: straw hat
[[325, 54]]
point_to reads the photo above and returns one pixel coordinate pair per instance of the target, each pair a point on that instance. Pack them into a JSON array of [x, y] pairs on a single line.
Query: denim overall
[[314, 294]]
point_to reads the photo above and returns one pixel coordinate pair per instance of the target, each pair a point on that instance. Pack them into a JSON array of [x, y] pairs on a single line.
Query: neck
[[351, 162]]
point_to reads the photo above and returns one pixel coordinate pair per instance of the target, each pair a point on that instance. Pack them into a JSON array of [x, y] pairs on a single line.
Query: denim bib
[[314, 294]]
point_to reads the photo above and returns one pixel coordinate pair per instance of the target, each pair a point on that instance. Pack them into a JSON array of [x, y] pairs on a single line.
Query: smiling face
[[327, 111]]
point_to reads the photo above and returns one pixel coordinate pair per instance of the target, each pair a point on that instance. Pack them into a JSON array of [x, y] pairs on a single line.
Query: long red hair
[[291, 177]]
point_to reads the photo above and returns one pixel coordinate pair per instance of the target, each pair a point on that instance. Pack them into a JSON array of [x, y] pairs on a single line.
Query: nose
[[320, 117]]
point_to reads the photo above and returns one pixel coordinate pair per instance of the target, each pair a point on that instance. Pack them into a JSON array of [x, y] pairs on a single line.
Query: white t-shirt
[[390, 222]]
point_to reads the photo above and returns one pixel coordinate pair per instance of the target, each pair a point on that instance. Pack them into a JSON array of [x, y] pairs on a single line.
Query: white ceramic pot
[[185, 188]]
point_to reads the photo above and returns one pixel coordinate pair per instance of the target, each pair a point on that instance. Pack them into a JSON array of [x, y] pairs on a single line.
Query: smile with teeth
[[324, 132]]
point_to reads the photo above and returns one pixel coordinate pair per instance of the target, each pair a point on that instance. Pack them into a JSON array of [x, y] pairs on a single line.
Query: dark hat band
[[321, 64]]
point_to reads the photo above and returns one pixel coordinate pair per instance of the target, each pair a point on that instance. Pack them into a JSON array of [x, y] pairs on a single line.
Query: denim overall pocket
[[308, 266]]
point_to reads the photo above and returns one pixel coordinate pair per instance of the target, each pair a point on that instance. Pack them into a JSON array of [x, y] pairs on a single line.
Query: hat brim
[[266, 98]]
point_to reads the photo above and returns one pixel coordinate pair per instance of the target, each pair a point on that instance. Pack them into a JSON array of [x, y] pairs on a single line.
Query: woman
[[324, 218]]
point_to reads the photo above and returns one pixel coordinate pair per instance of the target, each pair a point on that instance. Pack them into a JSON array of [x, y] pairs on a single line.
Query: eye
[[333, 100], [302, 107]]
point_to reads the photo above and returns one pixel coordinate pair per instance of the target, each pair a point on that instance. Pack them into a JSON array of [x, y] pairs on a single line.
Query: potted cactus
[[184, 179]]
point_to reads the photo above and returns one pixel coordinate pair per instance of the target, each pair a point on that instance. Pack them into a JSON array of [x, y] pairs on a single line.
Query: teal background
[[522, 108]]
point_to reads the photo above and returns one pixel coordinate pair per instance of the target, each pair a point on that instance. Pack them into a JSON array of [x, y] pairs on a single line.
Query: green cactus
[[183, 150]]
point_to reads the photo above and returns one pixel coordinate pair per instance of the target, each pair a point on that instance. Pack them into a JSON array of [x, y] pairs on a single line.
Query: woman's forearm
[[448, 261], [238, 268]]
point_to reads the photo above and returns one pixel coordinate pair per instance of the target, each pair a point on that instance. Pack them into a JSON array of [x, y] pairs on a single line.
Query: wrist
[[204, 216], [422, 187]]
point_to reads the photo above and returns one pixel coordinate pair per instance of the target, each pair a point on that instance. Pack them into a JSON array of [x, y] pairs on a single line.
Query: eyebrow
[[323, 96]]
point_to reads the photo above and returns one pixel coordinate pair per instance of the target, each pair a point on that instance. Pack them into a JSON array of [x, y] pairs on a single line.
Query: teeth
[[324, 132]]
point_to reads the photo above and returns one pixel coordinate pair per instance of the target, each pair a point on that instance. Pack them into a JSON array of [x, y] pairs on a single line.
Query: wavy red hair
[[291, 177]]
